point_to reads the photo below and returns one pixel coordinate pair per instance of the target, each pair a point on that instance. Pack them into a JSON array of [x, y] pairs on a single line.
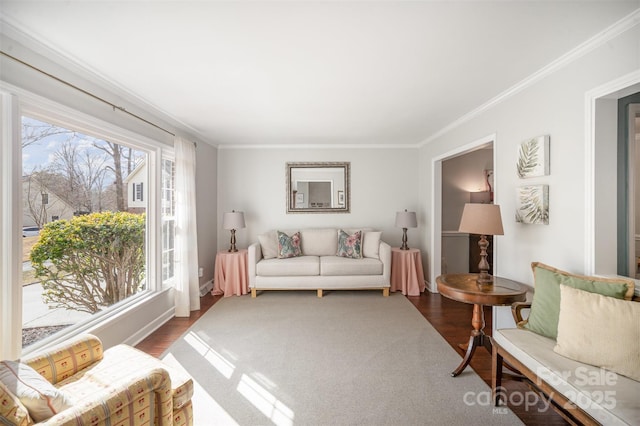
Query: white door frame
[[601, 131]]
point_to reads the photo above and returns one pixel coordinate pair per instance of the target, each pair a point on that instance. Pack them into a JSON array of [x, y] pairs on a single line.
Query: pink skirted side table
[[231, 276], [407, 275]]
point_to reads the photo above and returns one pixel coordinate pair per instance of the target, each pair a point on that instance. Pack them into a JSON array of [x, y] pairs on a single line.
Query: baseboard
[[431, 288], [150, 328], [206, 288]]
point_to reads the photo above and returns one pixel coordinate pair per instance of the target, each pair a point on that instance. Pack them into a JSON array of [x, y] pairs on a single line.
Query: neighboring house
[[136, 188], [41, 205]]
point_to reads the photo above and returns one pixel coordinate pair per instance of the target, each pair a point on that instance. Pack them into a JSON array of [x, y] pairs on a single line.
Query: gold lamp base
[[232, 248], [404, 240]]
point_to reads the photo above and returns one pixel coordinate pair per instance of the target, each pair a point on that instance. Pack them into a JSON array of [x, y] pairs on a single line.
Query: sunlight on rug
[[255, 393], [206, 406]]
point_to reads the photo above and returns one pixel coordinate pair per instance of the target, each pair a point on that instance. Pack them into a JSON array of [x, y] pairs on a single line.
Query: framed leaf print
[[533, 157], [532, 204]]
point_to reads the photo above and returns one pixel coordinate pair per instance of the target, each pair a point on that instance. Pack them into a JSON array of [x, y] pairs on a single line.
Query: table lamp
[[233, 221], [405, 220], [482, 219]]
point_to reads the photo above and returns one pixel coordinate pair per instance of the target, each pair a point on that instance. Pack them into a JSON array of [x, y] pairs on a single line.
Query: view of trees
[[90, 253], [91, 261], [88, 173]]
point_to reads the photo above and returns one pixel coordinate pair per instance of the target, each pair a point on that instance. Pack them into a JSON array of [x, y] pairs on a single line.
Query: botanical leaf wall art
[[532, 204], [533, 157]]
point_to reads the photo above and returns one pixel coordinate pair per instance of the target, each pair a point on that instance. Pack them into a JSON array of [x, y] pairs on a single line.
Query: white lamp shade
[[483, 219], [406, 219], [233, 220]]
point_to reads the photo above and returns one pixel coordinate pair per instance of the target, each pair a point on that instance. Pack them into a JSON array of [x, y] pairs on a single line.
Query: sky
[[39, 155]]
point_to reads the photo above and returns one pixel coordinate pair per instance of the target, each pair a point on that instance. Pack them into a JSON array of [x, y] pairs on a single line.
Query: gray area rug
[[349, 358]]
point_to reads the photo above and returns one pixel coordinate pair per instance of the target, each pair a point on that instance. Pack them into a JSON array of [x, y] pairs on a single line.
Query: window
[[137, 192], [168, 220], [91, 257], [40, 197]]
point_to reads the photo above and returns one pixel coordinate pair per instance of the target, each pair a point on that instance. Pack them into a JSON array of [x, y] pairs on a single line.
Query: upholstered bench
[[121, 385], [580, 346]]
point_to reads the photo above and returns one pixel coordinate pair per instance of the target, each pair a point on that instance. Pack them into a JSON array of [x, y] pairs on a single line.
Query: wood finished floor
[[451, 319]]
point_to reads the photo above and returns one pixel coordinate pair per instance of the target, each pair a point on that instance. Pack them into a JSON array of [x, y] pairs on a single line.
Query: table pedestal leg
[[478, 338]]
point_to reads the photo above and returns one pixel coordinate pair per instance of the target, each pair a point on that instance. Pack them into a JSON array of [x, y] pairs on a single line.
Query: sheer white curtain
[[186, 279]]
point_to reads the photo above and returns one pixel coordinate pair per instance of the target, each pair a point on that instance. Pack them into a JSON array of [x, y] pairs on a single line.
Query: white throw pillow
[[371, 244], [269, 245], [40, 397], [599, 330]]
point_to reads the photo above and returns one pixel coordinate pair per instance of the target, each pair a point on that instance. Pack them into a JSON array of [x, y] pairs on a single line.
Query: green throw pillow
[[545, 307]]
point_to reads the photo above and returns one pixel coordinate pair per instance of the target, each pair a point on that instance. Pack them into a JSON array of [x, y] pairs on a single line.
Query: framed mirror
[[318, 187]]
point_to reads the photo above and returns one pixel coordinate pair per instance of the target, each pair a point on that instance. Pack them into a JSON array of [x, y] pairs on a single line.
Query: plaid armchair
[[119, 386]]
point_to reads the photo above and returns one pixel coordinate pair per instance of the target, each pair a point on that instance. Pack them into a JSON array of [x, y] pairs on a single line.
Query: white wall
[[383, 181], [553, 105], [206, 208]]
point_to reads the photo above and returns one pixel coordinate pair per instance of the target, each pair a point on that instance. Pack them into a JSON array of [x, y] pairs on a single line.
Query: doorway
[[603, 252], [457, 175], [629, 185]]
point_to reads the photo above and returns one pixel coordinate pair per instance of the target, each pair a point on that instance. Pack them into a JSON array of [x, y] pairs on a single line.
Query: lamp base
[[484, 279], [404, 240], [232, 248]]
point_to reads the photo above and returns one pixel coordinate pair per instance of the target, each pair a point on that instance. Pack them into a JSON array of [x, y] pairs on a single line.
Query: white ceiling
[[322, 72]]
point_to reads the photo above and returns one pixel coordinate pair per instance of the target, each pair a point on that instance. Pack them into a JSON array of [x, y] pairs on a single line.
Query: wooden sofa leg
[[319, 292], [496, 376], [253, 293], [385, 292]]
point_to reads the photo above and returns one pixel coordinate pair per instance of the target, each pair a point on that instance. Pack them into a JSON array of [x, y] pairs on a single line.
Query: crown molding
[[319, 146], [609, 33]]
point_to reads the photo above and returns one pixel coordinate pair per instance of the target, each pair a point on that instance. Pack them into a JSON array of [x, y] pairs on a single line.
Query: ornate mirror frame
[[318, 187]]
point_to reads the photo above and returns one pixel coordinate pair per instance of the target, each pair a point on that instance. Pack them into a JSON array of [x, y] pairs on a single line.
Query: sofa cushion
[[371, 244], [350, 245], [39, 396], [12, 409], [288, 245], [616, 323], [319, 242], [294, 266], [545, 307], [337, 266]]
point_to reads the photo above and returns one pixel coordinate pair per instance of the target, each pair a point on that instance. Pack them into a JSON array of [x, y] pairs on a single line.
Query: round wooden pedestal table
[[464, 288]]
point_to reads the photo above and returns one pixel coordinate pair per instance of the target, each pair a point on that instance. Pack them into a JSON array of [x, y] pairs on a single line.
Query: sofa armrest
[[254, 256], [385, 256], [141, 398], [65, 360], [516, 310]]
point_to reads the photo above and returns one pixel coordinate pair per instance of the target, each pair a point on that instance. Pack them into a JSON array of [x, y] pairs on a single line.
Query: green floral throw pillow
[[350, 245], [288, 246]]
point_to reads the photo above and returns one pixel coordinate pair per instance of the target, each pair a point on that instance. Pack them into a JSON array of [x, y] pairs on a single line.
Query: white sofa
[[319, 268]]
